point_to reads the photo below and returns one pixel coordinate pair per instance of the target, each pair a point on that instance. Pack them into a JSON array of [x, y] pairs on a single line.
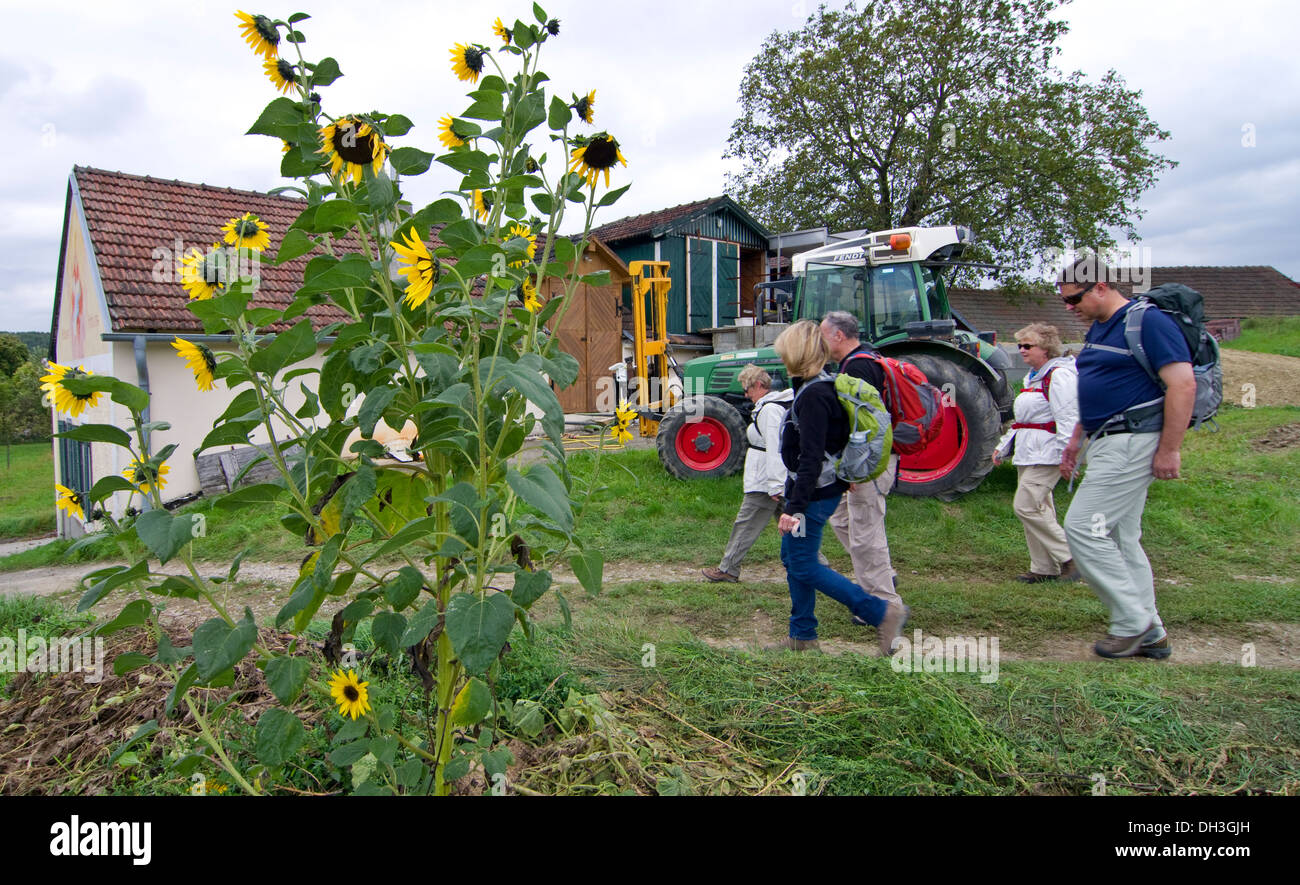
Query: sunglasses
[[1026, 346], [1077, 296]]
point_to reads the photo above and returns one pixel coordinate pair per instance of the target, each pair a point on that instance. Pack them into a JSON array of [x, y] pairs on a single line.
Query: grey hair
[[845, 322], [751, 375]]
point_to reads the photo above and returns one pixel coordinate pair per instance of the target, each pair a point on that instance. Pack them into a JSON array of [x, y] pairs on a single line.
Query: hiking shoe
[[1070, 572], [1155, 644], [1120, 646], [716, 574], [1036, 578], [891, 626], [791, 644]]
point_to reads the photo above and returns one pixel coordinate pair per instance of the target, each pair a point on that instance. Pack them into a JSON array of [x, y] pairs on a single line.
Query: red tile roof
[[639, 225], [1228, 292], [131, 215]]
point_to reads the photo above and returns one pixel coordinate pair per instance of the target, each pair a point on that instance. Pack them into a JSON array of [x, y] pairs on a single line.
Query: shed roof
[[673, 219]]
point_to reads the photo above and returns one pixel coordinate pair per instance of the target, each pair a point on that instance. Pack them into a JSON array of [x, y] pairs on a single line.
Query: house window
[[74, 463]]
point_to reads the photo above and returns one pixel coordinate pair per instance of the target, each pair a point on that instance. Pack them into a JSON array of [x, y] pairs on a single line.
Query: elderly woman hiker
[[764, 471], [817, 426], [1046, 411]]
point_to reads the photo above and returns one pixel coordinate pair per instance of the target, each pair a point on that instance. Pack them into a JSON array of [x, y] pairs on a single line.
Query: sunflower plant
[[439, 551]]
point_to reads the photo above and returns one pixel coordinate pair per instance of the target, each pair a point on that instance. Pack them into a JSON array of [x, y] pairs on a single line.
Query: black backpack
[[1186, 308]]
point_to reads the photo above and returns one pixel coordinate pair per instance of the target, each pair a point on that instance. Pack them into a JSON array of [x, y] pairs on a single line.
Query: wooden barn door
[[591, 334]]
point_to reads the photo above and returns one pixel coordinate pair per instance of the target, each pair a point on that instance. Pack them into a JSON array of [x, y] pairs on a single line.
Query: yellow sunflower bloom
[[203, 276], [482, 205], [585, 106], [351, 145], [261, 34], [447, 133], [526, 232], [247, 230], [467, 61], [64, 399], [623, 418], [349, 694], [501, 31], [421, 268], [71, 501], [199, 360], [531, 302], [596, 155], [282, 74], [142, 476]]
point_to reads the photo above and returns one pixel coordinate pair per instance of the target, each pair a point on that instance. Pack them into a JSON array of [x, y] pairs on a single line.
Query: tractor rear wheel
[[960, 458], [702, 436]]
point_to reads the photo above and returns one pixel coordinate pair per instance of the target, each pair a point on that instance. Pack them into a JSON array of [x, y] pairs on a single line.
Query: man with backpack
[[1135, 426], [859, 521]]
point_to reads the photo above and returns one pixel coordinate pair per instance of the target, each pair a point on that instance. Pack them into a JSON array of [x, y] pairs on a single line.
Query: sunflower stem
[[217, 748]]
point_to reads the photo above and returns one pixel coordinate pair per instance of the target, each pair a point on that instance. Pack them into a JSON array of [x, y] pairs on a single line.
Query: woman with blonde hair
[[816, 427], [1046, 411]]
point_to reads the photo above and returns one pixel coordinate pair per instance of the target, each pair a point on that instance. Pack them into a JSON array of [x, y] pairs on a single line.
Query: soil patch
[[1274, 379], [1279, 438]]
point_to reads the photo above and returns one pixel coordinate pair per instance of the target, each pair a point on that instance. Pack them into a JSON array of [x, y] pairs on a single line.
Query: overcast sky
[[167, 89]]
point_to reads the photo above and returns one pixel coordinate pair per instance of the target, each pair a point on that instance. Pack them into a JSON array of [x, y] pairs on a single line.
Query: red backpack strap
[[1047, 382]]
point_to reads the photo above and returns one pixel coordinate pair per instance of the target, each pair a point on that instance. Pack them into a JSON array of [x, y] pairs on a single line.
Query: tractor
[[892, 281]]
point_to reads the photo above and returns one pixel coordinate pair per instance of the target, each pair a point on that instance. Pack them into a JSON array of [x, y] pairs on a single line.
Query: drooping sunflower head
[[482, 204], [349, 693], [501, 31], [422, 269], [528, 290], [71, 501], [447, 133], [145, 477], [247, 230], [585, 106], [261, 34], [203, 275], [199, 360], [526, 232], [623, 418], [596, 155], [467, 61], [553, 27], [282, 74], [65, 400], [351, 145]]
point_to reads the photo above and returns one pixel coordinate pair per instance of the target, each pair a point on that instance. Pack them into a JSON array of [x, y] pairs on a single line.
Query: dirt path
[[1275, 379], [264, 587]]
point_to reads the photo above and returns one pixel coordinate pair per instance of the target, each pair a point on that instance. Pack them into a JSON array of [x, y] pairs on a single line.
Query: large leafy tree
[[927, 112]]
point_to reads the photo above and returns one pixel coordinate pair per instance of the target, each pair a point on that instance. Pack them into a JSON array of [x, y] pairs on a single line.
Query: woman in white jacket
[[1046, 411], [764, 471]]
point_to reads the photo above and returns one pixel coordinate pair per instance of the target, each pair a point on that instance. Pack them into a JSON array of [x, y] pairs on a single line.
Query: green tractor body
[[892, 282]]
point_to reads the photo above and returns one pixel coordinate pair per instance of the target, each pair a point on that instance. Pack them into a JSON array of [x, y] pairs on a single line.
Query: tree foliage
[[928, 112]]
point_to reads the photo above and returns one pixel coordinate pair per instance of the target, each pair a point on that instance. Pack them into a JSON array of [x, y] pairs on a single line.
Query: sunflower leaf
[[279, 119], [286, 677], [164, 533], [539, 14], [218, 646], [278, 736], [529, 113], [465, 162], [105, 433], [487, 105], [588, 567], [108, 485], [295, 37], [478, 628], [560, 114], [232, 433], [397, 124], [612, 197], [325, 72], [295, 244], [376, 401], [542, 489], [544, 203], [410, 161], [525, 35], [472, 704], [297, 17]]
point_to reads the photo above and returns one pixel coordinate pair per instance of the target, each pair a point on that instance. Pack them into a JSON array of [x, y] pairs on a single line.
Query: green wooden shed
[[716, 251]]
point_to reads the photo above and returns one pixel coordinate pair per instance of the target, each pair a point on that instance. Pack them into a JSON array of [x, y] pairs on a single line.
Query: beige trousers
[[859, 523], [1034, 504]]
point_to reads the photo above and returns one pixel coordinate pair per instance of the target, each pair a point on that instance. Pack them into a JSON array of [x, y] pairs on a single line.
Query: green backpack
[[871, 433]]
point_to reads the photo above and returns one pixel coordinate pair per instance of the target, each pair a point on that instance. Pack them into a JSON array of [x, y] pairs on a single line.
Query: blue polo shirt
[[1110, 383]]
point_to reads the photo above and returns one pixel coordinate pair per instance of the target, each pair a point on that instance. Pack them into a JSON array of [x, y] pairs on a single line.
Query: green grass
[[1279, 335], [37, 616], [27, 491]]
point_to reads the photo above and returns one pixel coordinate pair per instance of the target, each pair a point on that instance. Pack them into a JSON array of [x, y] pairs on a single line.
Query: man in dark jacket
[[859, 521]]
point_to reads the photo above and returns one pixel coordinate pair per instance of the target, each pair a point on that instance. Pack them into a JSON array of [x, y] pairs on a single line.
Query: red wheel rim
[[703, 444], [940, 457]]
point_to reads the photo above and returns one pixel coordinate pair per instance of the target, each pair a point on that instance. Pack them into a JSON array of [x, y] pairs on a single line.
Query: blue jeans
[[806, 575]]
